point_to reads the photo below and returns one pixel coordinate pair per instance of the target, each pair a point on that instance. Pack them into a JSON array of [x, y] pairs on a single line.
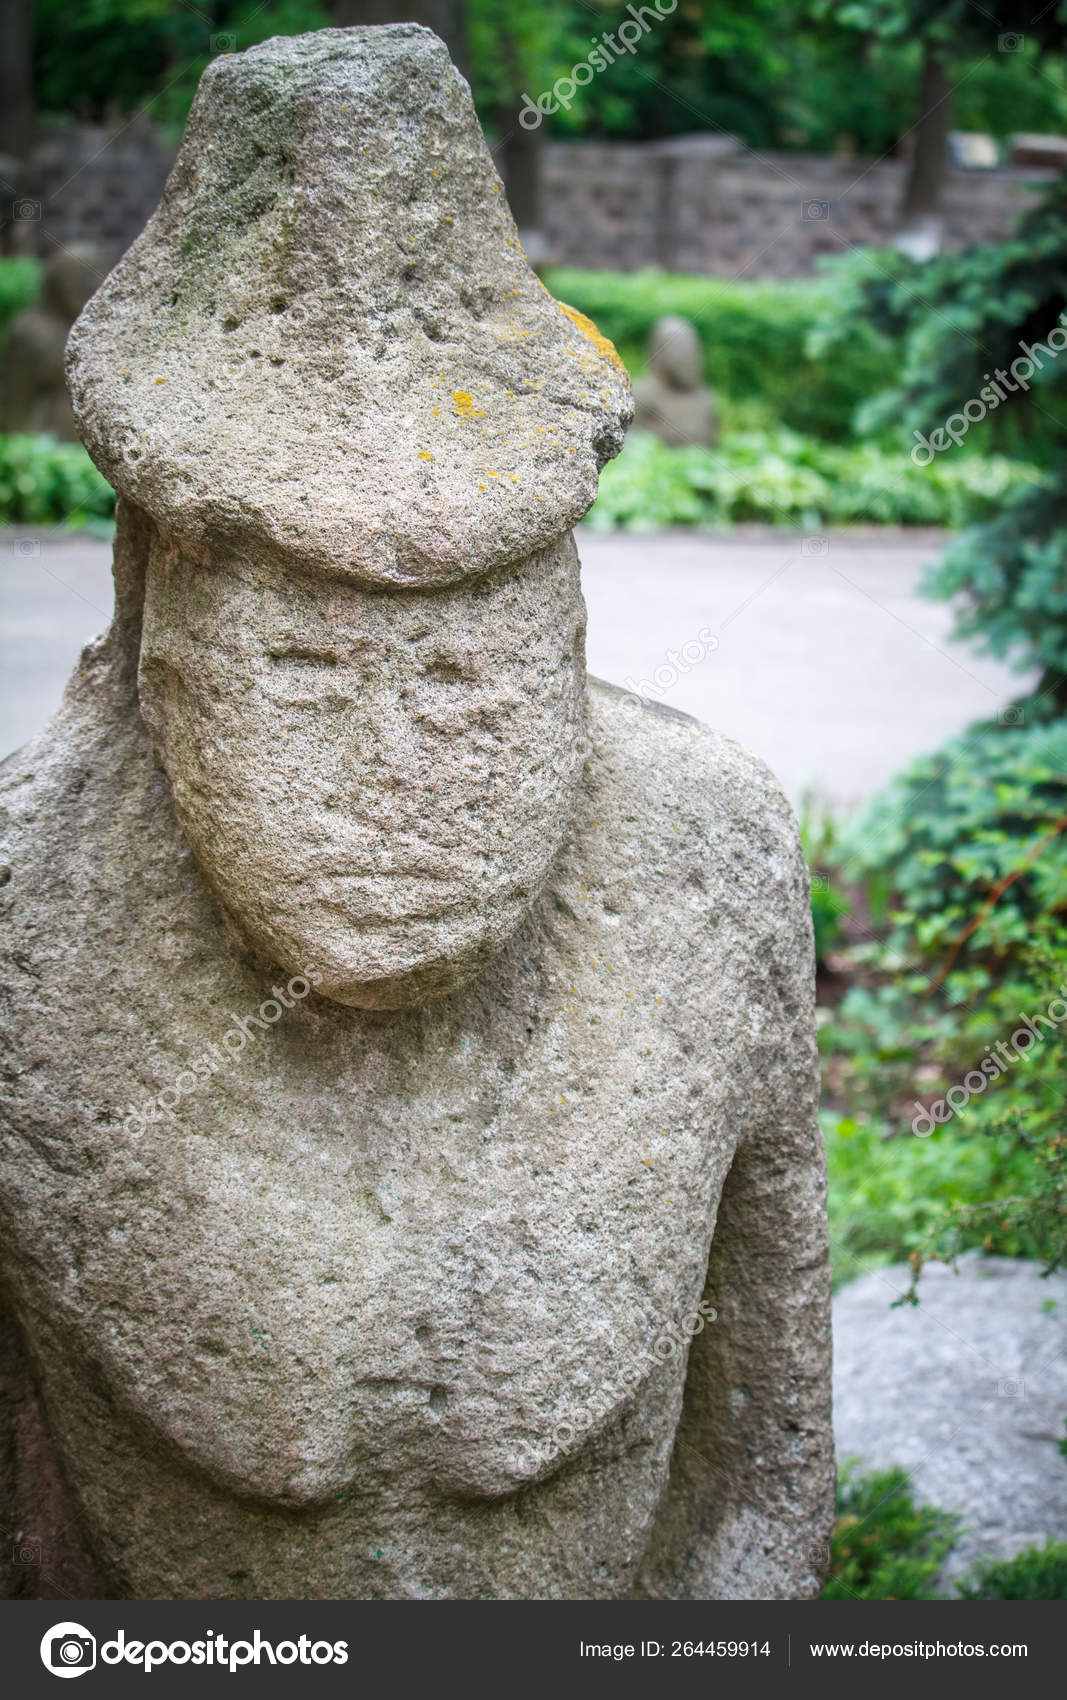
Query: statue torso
[[366, 1264]]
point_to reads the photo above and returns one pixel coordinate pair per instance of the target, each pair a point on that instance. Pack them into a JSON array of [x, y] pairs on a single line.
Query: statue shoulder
[[695, 809]]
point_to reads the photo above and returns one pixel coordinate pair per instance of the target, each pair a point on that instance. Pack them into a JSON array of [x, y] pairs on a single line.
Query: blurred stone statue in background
[[672, 400], [410, 1181], [33, 386]]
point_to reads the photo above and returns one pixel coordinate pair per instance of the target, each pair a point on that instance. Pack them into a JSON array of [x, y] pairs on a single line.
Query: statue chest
[[451, 1248]]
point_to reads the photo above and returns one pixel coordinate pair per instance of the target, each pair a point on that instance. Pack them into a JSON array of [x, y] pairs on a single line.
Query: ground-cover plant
[[784, 478], [1036, 1573], [20, 281], [758, 339], [884, 1546], [945, 1057], [45, 482]]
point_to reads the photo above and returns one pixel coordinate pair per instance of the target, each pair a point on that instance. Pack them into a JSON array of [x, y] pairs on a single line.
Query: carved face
[[375, 782]]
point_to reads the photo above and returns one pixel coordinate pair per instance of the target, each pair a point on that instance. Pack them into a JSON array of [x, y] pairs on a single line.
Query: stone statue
[[672, 400], [32, 382], [410, 1179]]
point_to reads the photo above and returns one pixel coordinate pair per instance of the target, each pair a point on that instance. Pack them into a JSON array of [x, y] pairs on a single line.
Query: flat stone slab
[[967, 1392]]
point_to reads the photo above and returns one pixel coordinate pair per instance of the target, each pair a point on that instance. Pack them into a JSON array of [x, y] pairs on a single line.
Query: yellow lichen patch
[[161, 380], [588, 329], [424, 454], [465, 407]]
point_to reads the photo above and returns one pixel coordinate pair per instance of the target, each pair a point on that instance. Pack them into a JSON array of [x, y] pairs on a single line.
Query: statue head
[[360, 431], [675, 354]]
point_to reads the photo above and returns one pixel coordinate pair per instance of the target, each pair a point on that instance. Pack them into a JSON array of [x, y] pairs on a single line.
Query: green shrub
[[893, 1197], [783, 478], [45, 482], [758, 338], [884, 1546], [20, 279], [965, 856], [1036, 1573], [980, 816]]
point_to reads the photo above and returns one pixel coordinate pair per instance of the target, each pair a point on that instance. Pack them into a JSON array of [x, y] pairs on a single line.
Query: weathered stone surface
[[328, 342], [424, 756], [393, 1285], [410, 1183], [672, 400], [967, 1392], [33, 388]]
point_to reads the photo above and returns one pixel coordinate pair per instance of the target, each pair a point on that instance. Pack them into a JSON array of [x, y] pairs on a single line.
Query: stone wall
[[693, 204], [705, 204], [88, 183]]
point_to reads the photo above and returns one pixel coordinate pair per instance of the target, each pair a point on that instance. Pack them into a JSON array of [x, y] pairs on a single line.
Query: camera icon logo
[[814, 211], [1010, 43], [68, 1650], [224, 43]]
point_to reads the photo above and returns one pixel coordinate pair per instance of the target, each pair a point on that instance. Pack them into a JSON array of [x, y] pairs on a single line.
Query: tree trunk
[[929, 160], [447, 18], [16, 117]]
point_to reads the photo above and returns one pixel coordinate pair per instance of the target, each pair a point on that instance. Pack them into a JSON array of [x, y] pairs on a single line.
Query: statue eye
[[295, 655]]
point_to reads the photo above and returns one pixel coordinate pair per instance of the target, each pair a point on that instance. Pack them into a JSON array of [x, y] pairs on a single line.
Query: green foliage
[[961, 321], [829, 905], [965, 861], [20, 280], [1036, 1573], [884, 1546], [127, 54], [958, 320], [983, 811], [758, 338], [783, 478], [45, 482], [1009, 583]]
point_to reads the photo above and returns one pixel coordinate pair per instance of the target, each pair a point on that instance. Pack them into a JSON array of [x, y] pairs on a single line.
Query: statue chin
[[375, 784], [366, 966]]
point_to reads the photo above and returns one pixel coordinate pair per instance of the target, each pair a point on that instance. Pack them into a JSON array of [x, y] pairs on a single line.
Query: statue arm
[[748, 1509]]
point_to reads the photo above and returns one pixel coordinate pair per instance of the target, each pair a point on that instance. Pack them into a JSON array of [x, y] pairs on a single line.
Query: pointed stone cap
[[328, 344]]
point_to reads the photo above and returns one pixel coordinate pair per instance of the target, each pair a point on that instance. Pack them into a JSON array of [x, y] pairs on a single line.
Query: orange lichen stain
[[424, 454], [588, 329], [465, 407]]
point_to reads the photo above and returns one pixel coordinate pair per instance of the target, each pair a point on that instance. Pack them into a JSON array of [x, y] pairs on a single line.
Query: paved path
[[966, 1391], [825, 660]]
